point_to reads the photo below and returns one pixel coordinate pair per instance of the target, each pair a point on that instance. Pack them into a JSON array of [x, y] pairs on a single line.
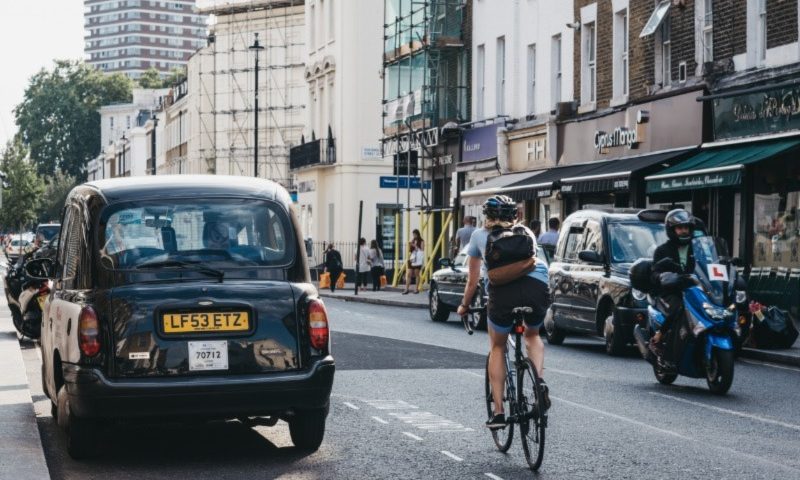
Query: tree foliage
[[176, 76], [58, 118], [55, 193], [22, 198], [151, 78]]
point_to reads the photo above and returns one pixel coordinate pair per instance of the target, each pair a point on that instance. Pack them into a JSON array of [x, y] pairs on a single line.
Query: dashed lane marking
[[430, 422], [411, 435], [350, 405], [731, 412], [472, 373], [454, 457], [766, 364], [390, 404], [493, 476], [380, 420]]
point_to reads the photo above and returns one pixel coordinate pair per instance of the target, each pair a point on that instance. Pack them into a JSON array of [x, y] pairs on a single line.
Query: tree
[[58, 118], [24, 193], [151, 78], [176, 76], [55, 193]]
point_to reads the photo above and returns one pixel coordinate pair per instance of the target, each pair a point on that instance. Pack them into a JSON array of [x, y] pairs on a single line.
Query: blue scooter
[[710, 306]]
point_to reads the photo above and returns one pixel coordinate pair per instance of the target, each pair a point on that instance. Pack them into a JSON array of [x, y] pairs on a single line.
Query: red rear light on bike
[[640, 319], [742, 320], [520, 329], [318, 325], [89, 332]]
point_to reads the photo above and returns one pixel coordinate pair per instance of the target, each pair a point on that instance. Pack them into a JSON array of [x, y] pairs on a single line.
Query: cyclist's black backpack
[[509, 254]]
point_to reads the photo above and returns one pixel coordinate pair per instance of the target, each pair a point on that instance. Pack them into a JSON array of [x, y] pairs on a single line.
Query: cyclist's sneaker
[[496, 422], [545, 395]]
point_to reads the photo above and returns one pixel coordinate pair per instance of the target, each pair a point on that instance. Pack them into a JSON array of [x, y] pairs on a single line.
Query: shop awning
[[615, 175], [542, 185], [716, 166], [479, 193]]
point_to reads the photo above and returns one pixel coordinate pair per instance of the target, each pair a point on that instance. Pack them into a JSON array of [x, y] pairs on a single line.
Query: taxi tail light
[[89, 332], [44, 289], [318, 325]]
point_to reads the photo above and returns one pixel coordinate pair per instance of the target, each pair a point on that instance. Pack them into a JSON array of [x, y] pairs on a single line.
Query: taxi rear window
[[215, 232]]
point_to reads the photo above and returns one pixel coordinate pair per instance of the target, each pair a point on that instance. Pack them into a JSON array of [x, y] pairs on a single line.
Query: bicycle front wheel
[[502, 437], [532, 424]]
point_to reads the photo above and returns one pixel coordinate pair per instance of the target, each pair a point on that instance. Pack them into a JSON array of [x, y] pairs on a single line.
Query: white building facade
[[341, 163]]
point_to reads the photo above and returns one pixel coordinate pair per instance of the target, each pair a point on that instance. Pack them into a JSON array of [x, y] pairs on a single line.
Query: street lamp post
[[256, 47], [124, 143], [154, 118]]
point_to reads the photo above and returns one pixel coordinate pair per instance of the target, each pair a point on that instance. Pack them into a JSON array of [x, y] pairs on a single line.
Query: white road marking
[[493, 476], [380, 420], [350, 405], [565, 372], [430, 422], [454, 457], [731, 412], [411, 435], [765, 364], [620, 417], [390, 404], [472, 373]]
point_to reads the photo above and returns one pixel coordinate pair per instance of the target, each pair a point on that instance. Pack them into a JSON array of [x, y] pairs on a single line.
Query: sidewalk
[[21, 452], [387, 296]]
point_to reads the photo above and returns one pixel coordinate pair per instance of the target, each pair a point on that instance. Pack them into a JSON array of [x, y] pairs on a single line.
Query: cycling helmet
[[500, 207], [679, 217]]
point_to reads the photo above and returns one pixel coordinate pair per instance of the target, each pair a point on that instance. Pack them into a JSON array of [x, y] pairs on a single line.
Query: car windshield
[[217, 232], [48, 232], [17, 243], [632, 241]]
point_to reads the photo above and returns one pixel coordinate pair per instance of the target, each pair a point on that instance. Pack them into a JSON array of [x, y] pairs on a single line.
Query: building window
[[762, 30], [556, 68], [708, 31], [590, 63], [532, 79], [501, 76], [481, 82], [666, 52], [331, 104], [620, 80]]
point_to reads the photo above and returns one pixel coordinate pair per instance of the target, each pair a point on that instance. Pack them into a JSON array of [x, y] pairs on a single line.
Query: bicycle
[[522, 398]]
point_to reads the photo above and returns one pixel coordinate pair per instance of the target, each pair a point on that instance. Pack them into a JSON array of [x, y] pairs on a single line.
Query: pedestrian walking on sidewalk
[[376, 263], [414, 266], [416, 239], [362, 257], [464, 233], [333, 264]]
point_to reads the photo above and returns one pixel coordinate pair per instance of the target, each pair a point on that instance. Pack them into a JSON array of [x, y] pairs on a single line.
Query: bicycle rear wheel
[[532, 423], [502, 437]]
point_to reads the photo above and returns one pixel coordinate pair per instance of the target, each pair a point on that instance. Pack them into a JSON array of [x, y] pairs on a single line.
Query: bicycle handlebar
[[465, 320]]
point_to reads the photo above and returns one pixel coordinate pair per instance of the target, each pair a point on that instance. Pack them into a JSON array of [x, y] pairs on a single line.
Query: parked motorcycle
[[713, 297], [26, 298]]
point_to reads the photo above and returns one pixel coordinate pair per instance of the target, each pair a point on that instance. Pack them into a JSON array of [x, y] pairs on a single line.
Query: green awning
[[716, 166]]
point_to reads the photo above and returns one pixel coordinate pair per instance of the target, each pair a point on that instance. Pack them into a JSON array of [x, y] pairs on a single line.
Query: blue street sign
[[402, 182]]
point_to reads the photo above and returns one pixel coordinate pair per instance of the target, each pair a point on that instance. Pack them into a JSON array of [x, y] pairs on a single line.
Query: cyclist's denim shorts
[[524, 292]]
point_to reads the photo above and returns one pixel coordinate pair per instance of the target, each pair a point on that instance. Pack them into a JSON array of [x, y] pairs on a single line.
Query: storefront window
[[776, 236]]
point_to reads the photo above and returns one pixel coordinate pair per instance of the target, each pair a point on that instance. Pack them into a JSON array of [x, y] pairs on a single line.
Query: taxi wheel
[[307, 429], [80, 433], [439, 312], [615, 345]]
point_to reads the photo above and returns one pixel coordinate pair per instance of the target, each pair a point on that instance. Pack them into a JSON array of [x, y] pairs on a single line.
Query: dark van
[[183, 297]]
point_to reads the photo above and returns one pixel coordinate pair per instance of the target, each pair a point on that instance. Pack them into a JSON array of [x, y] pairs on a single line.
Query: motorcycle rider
[[675, 256]]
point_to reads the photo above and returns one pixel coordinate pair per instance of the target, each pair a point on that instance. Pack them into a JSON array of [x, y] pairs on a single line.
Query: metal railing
[[315, 152]]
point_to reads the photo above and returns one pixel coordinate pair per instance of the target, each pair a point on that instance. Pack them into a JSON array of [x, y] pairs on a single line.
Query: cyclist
[[680, 227], [530, 290]]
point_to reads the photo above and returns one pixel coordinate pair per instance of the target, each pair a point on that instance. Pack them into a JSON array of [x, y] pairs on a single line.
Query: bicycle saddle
[[522, 310]]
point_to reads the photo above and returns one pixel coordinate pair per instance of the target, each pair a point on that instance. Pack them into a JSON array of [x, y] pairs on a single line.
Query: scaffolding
[[224, 72], [425, 85]]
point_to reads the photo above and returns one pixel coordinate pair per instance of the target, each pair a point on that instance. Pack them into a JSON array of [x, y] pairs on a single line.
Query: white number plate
[[208, 355]]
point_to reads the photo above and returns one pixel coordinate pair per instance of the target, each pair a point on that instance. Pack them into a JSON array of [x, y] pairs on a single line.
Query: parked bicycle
[[523, 395]]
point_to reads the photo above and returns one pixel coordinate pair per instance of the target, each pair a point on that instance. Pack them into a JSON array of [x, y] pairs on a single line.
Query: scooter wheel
[[664, 378]]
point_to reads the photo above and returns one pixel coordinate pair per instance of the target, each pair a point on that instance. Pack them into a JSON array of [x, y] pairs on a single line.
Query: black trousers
[[673, 321], [362, 279], [334, 277], [376, 273]]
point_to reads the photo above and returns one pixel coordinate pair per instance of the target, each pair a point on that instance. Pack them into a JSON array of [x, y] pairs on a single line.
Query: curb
[[375, 301], [771, 356]]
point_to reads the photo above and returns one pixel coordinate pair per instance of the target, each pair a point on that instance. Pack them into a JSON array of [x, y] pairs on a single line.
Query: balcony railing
[[310, 154]]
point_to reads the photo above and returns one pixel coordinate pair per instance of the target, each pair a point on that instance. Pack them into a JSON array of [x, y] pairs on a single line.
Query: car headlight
[[741, 296], [715, 312], [638, 295]]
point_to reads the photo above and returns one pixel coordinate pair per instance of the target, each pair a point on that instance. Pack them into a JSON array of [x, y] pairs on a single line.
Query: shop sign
[[544, 193], [480, 144], [371, 153], [773, 111], [694, 182], [411, 141], [403, 182], [620, 137], [442, 160], [621, 184]]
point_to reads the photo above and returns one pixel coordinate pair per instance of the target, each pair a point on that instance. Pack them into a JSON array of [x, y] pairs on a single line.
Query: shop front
[[477, 166]]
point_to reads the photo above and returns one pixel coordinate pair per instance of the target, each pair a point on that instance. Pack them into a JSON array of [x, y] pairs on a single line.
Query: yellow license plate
[[202, 322]]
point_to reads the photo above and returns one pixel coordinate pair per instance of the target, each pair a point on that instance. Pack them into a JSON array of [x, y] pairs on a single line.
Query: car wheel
[[553, 334], [615, 345], [307, 428], [81, 433], [437, 309]]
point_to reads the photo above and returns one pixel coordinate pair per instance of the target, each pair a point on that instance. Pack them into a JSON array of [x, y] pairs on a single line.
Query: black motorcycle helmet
[[679, 217], [500, 207], [640, 275]]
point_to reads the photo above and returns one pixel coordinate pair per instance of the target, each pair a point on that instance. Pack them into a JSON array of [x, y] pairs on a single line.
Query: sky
[[32, 34]]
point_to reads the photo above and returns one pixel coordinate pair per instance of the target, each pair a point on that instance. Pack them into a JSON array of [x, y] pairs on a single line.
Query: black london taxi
[[183, 297], [589, 274]]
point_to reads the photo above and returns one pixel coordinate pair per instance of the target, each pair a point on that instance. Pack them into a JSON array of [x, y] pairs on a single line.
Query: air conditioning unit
[[566, 109]]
